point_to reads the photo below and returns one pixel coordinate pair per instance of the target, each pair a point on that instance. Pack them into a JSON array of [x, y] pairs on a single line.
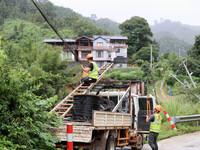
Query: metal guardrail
[[186, 118]]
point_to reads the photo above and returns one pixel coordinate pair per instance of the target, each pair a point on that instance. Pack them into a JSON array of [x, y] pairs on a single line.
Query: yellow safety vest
[[94, 73], [156, 125]]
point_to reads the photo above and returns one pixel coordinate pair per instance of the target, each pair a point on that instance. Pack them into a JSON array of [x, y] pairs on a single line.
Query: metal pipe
[[120, 101]]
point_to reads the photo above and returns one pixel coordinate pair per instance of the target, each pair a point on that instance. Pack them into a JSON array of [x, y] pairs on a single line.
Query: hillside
[[181, 31], [171, 36], [17, 29], [65, 20], [170, 43], [108, 25], [104, 23]]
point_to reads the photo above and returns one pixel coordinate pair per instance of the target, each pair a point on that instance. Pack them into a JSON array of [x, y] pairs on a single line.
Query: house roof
[[58, 40], [99, 37], [105, 37], [83, 38], [117, 37]]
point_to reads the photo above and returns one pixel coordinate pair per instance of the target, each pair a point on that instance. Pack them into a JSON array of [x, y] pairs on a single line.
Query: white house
[[105, 48]]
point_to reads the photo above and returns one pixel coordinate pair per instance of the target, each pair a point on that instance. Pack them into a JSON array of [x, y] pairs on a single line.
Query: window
[[99, 44], [118, 50], [84, 54], [99, 54]]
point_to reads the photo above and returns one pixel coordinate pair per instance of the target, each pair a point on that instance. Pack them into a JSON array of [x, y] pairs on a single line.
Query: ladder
[[64, 107]]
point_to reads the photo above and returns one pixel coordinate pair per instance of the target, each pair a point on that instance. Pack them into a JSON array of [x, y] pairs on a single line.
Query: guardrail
[[186, 118]]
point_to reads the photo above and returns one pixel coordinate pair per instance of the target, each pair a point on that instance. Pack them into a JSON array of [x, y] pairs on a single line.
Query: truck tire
[[111, 143], [140, 142]]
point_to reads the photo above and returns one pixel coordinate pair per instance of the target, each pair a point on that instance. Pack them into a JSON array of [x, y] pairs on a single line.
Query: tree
[[174, 61], [138, 31], [144, 54], [24, 120], [195, 51], [3, 10]]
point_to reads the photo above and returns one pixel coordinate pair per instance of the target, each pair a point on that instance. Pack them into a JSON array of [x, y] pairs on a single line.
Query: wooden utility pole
[[189, 74], [171, 75], [151, 58], [154, 87]]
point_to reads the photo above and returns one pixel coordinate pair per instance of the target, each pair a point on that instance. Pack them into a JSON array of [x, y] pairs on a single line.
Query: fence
[[186, 118]]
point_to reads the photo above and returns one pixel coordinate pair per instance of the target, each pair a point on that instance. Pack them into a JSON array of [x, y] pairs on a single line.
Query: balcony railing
[[72, 47], [101, 47], [121, 45], [85, 47]]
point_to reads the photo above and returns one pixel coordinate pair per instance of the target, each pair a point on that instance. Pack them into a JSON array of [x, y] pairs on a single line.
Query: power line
[[54, 29]]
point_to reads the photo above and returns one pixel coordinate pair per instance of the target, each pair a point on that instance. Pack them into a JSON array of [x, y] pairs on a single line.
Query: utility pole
[[171, 75], [151, 58], [189, 74]]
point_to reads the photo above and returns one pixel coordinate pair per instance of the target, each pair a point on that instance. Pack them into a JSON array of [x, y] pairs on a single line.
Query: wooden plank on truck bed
[[80, 133], [111, 119]]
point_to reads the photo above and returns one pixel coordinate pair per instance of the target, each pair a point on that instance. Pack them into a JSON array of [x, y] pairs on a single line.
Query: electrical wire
[[54, 29]]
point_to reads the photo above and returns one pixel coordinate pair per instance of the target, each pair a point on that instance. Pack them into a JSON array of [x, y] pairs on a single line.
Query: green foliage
[[86, 28], [174, 61], [41, 62], [108, 25], [144, 54], [139, 62], [24, 121], [125, 74], [170, 43], [138, 32], [195, 51]]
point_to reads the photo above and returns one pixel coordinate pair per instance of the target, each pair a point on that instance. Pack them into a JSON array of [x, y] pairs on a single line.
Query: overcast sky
[[184, 11]]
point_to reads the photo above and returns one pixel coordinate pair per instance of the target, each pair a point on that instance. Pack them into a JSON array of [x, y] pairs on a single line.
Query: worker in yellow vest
[[92, 71], [155, 126]]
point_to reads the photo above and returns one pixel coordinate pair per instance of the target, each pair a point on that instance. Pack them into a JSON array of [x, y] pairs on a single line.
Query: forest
[[33, 77]]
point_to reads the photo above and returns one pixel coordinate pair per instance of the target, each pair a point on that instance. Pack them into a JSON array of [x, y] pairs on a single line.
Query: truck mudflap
[[80, 133]]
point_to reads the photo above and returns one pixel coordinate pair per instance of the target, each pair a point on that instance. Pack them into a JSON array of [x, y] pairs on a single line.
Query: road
[[189, 141]]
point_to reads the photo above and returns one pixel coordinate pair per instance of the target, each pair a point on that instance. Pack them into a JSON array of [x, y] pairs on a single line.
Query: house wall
[[103, 50], [99, 40], [121, 53]]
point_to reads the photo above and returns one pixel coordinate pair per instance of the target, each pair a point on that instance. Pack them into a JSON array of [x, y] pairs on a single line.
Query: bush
[[24, 122], [125, 74]]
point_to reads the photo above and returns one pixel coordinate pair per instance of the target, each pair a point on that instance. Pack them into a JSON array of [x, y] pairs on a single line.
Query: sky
[[184, 11]]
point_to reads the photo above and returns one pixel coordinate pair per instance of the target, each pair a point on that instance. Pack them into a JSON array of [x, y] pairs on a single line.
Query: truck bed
[[82, 131]]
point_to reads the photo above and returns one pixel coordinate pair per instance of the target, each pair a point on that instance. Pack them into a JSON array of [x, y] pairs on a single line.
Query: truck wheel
[[140, 142], [111, 144]]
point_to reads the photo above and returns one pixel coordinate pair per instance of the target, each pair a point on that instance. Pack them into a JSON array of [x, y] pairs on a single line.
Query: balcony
[[85, 47], [70, 47], [117, 45], [102, 48]]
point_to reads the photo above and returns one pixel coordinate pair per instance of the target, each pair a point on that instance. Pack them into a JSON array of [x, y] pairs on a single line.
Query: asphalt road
[[189, 141]]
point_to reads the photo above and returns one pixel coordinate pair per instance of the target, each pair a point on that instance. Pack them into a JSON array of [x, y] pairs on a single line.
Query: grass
[[176, 105]]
